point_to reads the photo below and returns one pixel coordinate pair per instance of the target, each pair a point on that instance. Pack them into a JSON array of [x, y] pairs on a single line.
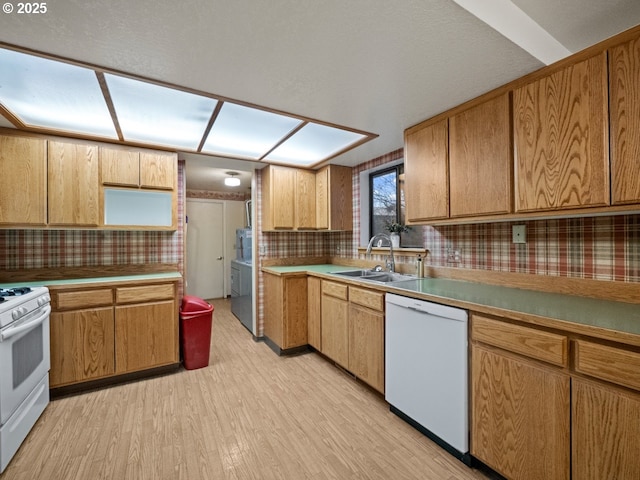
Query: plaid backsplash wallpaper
[[26, 249]]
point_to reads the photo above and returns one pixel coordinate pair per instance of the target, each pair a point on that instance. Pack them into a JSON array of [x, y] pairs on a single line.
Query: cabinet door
[[561, 139], [606, 428], [314, 313], [81, 345], [273, 308], [426, 172], [73, 184], [23, 181], [366, 345], [481, 159], [519, 416], [146, 336], [158, 170], [335, 329], [305, 199], [278, 193], [334, 198], [119, 167], [624, 85], [295, 299]]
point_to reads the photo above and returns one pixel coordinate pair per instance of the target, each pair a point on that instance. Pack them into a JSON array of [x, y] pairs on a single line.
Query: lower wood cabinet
[[105, 331], [538, 412], [520, 416], [285, 310], [353, 330], [81, 345], [314, 296]]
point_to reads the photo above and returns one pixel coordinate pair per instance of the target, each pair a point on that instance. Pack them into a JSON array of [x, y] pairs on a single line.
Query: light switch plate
[[519, 233]]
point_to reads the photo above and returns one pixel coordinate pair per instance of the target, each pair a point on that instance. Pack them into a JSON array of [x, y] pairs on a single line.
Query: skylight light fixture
[[56, 96], [53, 95], [232, 180], [159, 115]]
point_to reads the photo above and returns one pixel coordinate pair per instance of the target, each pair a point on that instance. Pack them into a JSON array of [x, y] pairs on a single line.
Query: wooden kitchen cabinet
[[335, 322], [353, 330], [520, 404], [23, 182], [561, 139], [305, 200], [73, 193], [299, 199], [285, 311], [334, 198], [606, 429], [624, 104], [138, 168], [146, 327], [278, 198], [102, 332], [82, 336], [366, 336], [605, 418], [481, 159], [426, 172], [314, 309]]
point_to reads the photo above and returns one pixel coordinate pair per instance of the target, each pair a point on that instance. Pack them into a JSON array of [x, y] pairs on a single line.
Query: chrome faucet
[[391, 264]]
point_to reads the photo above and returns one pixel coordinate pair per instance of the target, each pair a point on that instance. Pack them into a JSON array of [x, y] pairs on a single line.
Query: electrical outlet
[[453, 256], [519, 233]]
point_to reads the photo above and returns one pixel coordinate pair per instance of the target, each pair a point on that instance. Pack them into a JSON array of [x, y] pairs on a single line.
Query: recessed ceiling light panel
[[150, 113], [313, 143], [53, 95], [247, 132]]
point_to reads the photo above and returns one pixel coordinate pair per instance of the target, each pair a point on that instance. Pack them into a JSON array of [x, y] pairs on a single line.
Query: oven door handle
[[13, 331]]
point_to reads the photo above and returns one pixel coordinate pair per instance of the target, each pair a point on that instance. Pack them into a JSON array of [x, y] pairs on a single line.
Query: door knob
[[219, 258]]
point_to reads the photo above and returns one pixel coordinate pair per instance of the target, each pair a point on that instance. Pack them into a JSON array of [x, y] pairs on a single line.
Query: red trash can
[[196, 317]]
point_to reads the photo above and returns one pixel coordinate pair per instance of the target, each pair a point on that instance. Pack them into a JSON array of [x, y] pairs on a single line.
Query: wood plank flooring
[[249, 415]]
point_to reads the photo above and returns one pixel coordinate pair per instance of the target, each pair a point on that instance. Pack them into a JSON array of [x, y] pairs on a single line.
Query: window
[[386, 187]]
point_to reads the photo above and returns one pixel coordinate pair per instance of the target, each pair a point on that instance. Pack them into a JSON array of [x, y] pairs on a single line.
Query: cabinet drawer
[[544, 346], [608, 363], [144, 293], [333, 289], [83, 299], [367, 298]]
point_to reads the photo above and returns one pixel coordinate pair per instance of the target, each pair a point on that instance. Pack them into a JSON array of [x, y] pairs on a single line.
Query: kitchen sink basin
[[372, 276]]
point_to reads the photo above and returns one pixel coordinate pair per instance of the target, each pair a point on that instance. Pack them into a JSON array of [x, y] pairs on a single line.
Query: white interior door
[[205, 248]]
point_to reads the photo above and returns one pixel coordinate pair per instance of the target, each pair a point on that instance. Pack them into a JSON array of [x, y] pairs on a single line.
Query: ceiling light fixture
[[232, 180]]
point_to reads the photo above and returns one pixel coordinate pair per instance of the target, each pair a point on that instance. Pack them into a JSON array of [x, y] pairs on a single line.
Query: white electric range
[[24, 364]]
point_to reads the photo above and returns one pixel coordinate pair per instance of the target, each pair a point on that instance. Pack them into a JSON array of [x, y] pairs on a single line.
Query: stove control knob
[[15, 314], [43, 300], [18, 312]]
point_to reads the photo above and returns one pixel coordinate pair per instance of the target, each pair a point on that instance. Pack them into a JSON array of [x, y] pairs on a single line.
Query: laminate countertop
[[607, 319], [143, 277]]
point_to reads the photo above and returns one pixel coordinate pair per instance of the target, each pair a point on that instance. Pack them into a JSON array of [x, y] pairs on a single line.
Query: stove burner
[[12, 292]]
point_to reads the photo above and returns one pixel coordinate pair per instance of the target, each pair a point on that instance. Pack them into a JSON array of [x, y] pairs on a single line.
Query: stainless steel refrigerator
[[242, 279]]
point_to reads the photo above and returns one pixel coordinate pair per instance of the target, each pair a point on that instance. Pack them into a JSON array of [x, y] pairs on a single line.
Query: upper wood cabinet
[[561, 139], [481, 159], [624, 104], [23, 181], [134, 168], [334, 198], [305, 200], [299, 199], [73, 193], [426, 172], [278, 198]]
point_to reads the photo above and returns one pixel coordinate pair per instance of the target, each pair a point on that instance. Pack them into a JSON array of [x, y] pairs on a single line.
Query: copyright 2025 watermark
[[22, 8]]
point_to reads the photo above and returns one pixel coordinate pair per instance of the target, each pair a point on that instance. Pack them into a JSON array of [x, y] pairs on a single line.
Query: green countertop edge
[[591, 312], [81, 281]]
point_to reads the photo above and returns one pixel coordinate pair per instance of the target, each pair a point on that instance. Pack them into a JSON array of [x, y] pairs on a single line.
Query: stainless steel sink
[[373, 276]]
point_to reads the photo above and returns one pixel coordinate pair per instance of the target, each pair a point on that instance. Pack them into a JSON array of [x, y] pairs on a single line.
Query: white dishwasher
[[426, 370]]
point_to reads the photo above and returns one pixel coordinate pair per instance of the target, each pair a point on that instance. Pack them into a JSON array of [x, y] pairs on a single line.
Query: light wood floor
[[249, 415]]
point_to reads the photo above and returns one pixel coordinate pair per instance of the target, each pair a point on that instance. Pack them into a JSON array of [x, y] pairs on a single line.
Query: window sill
[[399, 251]]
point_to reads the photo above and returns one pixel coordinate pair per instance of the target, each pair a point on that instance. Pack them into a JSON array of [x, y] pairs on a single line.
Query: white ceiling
[[372, 65]]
